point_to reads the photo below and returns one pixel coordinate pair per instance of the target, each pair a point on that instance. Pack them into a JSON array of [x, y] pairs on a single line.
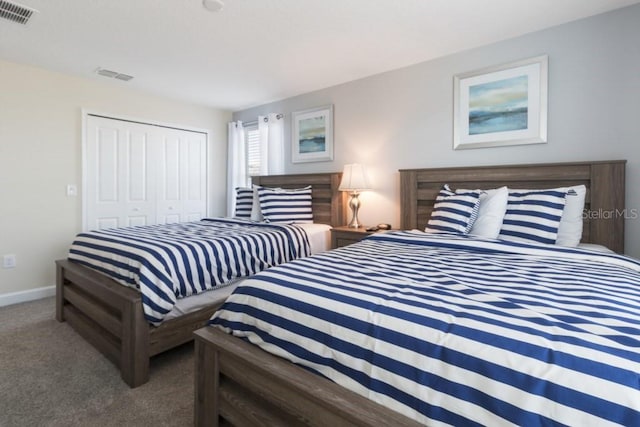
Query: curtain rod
[[254, 122]]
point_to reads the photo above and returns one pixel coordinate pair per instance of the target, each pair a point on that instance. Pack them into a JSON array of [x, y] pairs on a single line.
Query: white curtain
[[271, 129], [236, 164]]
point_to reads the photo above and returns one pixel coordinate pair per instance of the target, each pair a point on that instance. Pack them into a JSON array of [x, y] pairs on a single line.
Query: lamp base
[[354, 204]]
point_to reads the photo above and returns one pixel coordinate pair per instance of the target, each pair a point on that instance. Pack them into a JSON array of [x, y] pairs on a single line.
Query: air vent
[[106, 73], [124, 77], [112, 74], [15, 12]]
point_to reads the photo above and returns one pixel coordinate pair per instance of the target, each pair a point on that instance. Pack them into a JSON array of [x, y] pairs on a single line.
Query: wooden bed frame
[[238, 383], [110, 317], [605, 181]]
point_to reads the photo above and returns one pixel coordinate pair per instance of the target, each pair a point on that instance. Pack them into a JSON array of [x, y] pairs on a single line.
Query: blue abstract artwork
[[312, 135], [499, 106]]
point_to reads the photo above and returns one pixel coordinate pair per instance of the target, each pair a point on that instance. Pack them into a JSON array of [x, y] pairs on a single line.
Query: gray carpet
[[50, 376]]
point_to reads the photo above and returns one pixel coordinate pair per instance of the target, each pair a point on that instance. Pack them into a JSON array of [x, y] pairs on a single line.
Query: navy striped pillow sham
[[454, 212], [533, 215], [244, 202], [280, 205]]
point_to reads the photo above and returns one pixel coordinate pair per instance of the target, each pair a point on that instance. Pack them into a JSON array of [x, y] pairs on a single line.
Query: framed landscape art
[[503, 105], [312, 135]]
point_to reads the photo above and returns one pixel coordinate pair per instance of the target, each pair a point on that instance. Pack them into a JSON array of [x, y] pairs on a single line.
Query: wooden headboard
[[604, 202], [329, 204]]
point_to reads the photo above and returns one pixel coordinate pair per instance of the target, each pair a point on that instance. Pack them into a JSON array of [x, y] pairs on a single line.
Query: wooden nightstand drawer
[[343, 236]]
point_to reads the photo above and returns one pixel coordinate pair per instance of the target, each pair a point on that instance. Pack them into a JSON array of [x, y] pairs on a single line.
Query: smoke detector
[[15, 12], [213, 5]]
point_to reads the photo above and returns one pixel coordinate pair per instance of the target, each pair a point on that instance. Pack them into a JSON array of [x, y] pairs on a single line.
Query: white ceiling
[[257, 51]]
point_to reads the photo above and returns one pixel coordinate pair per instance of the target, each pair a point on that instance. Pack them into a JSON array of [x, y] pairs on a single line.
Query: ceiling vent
[[15, 12], [112, 74]]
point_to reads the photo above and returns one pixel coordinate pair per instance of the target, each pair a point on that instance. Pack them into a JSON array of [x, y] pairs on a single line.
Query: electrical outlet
[[9, 261]]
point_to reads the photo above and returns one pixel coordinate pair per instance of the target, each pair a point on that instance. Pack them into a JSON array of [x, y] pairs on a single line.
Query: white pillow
[[570, 229], [595, 247], [256, 213], [493, 205]]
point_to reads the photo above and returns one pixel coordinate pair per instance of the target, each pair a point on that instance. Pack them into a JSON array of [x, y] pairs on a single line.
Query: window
[[252, 139]]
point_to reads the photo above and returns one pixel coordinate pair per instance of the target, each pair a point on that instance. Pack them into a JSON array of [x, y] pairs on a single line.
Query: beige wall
[[40, 153]]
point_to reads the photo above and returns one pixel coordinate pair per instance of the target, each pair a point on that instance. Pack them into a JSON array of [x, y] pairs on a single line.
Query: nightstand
[[343, 236]]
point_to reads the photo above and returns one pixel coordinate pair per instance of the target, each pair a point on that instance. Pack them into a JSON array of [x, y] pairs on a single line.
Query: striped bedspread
[[456, 330], [170, 261]]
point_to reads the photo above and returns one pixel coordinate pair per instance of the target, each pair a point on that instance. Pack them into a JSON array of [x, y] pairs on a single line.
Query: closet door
[[119, 174], [142, 174], [181, 168]]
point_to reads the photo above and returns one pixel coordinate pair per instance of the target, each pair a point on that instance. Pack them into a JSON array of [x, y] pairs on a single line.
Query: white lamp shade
[[354, 178]]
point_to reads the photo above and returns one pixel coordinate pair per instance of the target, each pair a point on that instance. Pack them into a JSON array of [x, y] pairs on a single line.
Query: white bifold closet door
[[142, 174]]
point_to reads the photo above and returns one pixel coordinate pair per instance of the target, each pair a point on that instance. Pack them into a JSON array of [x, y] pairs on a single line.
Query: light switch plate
[[9, 261], [72, 190]]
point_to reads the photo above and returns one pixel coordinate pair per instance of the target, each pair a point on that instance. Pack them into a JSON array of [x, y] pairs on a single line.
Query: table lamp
[[354, 180]]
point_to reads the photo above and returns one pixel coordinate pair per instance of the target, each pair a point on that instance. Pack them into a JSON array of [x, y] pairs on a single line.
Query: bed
[[239, 383], [110, 316]]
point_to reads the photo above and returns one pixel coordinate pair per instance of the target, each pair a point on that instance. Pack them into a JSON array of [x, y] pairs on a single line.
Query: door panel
[[119, 184], [137, 168], [106, 163], [195, 191], [103, 170], [137, 206], [169, 206], [182, 177], [104, 222]]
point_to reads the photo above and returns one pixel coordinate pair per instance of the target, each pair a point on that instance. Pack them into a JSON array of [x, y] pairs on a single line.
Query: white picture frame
[[312, 135], [501, 105]]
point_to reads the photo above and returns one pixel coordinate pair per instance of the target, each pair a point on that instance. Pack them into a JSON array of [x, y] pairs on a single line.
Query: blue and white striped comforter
[[458, 331], [170, 261]]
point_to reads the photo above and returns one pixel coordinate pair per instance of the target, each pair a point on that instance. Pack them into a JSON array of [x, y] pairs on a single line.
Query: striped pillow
[[533, 215], [244, 202], [282, 205], [454, 212]]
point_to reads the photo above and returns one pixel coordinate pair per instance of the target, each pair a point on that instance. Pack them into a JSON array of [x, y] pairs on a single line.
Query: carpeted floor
[[50, 376]]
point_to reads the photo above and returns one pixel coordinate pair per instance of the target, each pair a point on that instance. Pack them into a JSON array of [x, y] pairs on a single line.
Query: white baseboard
[[24, 296]]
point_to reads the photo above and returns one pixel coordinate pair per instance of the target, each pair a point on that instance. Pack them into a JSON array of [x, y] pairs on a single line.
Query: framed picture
[[503, 105], [312, 135]]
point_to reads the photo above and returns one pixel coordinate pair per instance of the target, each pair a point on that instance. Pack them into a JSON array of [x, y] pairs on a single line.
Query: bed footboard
[[239, 384], [107, 315], [110, 317]]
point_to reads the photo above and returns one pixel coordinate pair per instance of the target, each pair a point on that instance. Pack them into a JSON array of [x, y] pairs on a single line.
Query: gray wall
[[403, 118]]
